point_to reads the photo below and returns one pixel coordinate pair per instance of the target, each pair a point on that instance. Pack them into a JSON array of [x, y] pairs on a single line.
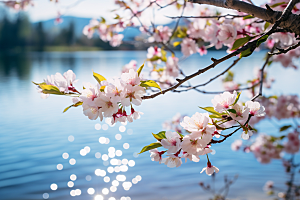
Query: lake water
[[34, 133]]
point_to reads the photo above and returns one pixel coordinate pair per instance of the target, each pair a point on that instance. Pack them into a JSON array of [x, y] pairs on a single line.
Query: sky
[[46, 9]]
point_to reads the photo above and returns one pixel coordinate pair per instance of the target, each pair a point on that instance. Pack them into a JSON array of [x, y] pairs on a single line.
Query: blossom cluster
[[202, 128], [19, 5], [107, 33], [111, 98]]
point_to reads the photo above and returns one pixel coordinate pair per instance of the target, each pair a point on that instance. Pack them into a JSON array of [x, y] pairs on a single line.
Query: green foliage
[[211, 110], [246, 53], [240, 42], [237, 98], [283, 128], [159, 136], [50, 89], [140, 69], [73, 105], [229, 76], [262, 40], [248, 17], [149, 83], [150, 146], [98, 77]]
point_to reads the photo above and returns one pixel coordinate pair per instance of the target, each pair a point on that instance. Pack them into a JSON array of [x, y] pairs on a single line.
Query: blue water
[[34, 132]]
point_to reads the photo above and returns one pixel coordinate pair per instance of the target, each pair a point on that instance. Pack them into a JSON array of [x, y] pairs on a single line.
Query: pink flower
[[156, 155], [188, 47], [255, 108], [172, 142], [172, 161], [116, 40], [223, 101], [210, 169], [227, 33]]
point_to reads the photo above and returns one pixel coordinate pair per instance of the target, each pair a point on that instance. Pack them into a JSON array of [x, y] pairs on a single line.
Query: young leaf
[[246, 53], [215, 116], [240, 42], [248, 17], [150, 83], [278, 4], [150, 146], [262, 40], [175, 44], [267, 24], [237, 98], [50, 89], [211, 110], [232, 111], [283, 128], [140, 69], [73, 105], [98, 77], [159, 136]]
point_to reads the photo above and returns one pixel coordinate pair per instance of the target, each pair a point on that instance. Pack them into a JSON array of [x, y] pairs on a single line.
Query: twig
[[281, 51], [208, 17]]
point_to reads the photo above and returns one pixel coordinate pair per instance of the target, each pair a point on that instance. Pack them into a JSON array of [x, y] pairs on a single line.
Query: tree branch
[[290, 21]]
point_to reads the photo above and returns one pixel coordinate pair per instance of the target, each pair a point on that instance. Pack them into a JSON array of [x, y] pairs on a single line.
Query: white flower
[[236, 145], [156, 155], [92, 112], [172, 142], [194, 158], [172, 161], [108, 105], [116, 40], [131, 78], [172, 66], [227, 33], [222, 102], [190, 144], [210, 169], [90, 93], [188, 47], [241, 114], [133, 94], [255, 108], [246, 134], [197, 122]]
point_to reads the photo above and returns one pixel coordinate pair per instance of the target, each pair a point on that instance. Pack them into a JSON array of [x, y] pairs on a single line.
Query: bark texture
[[291, 23]]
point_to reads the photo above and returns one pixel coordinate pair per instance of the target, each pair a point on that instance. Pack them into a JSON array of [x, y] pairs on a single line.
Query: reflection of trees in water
[[18, 64]]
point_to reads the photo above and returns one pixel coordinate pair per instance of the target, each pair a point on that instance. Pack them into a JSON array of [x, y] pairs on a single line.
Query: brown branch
[[208, 17], [289, 21], [281, 51]]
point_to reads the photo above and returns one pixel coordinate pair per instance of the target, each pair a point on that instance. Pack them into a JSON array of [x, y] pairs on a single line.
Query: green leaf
[[283, 128], [73, 105], [150, 146], [232, 111], [278, 4], [262, 40], [150, 83], [215, 116], [175, 44], [159, 136], [154, 58], [237, 98], [248, 17], [267, 24], [102, 20], [246, 53], [229, 76], [50, 89], [164, 55], [140, 69], [182, 136], [240, 42], [98, 77], [211, 110]]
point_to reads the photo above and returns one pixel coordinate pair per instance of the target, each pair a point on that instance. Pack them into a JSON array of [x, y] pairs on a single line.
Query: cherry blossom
[[223, 101], [227, 33], [255, 108], [156, 155], [188, 47], [172, 142], [210, 169], [172, 161]]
